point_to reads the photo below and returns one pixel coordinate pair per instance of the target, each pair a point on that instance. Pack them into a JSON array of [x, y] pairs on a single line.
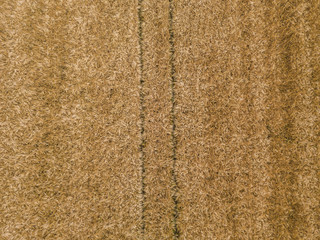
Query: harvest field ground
[[159, 119]]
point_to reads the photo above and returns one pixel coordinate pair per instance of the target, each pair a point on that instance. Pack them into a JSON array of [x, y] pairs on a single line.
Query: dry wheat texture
[[159, 119]]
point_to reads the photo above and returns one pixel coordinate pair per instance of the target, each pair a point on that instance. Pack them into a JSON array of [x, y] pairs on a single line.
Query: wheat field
[[159, 119]]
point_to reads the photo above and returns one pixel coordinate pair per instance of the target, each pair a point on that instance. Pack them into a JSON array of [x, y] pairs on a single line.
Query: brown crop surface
[[151, 119]]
